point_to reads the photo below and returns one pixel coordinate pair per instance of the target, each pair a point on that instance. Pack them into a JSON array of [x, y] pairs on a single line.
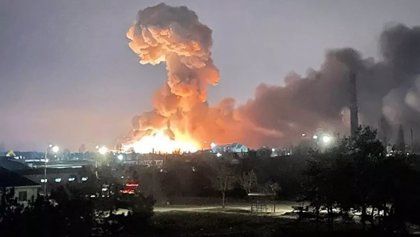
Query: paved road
[[281, 208]]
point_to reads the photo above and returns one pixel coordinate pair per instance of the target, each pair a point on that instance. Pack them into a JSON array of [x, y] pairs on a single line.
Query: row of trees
[[358, 176], [205, 177]]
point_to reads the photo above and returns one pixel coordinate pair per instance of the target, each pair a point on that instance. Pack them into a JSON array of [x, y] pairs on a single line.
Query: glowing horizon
[[159, 142]]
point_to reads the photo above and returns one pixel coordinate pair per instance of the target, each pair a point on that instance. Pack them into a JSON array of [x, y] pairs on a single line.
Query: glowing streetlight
[[326, 139], [103, 150], [55, 149], [314, 137]]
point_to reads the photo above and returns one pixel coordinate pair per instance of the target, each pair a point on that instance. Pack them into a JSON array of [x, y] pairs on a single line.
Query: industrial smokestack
[[412, 140], [384, 131], [400, 144], [354, 118]]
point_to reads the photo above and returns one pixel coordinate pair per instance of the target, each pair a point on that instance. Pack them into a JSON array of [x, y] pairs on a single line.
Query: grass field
[[234, 223], [237, 220]]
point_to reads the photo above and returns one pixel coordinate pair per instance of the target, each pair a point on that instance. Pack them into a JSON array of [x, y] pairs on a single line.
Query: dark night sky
[[68, 77]]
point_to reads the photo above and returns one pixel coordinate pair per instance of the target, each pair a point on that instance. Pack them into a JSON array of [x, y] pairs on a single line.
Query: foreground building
[[24, 189]]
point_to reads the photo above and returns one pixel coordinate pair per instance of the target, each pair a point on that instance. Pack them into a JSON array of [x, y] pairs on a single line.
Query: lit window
[[71, 179], [44, 180], [84, 178], [57, 180]]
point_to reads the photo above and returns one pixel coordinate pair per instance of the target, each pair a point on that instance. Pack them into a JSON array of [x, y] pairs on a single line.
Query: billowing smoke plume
[[388, 90], [175, 36]]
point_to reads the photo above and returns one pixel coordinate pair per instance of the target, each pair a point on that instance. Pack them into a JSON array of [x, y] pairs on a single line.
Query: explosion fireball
[[172, 35], [159, 142]]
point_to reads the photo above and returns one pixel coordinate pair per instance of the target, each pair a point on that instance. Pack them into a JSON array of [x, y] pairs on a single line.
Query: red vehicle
[[130, 188]]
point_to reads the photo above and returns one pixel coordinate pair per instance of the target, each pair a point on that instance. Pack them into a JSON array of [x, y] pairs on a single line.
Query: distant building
[[230, 148], [56, 177], [25, 190], [12, 164], [151, 163], [277, 152], [264, 152]]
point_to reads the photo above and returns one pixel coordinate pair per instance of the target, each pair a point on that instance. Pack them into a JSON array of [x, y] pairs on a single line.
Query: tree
[[135, 222], [357, 174], [248, 181], [10, 212], [224, 179]]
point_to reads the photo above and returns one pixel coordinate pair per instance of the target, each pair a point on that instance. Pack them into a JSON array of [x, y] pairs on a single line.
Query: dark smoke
[[388, 88]]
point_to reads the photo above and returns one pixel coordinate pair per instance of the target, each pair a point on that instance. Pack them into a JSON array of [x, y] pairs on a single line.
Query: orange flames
[[160, 142], [174, 36]]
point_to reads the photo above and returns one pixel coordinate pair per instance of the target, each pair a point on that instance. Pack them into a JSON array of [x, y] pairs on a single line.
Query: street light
[[103, 150], [54, 149], [326, 139]]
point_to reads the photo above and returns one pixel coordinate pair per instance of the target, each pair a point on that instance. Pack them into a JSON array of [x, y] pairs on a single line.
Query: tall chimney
[[412, 140], [400, 143], [354, 118], [383, 131]]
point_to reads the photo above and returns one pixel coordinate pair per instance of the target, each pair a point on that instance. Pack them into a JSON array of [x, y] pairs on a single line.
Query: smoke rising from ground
[[388, 90]]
